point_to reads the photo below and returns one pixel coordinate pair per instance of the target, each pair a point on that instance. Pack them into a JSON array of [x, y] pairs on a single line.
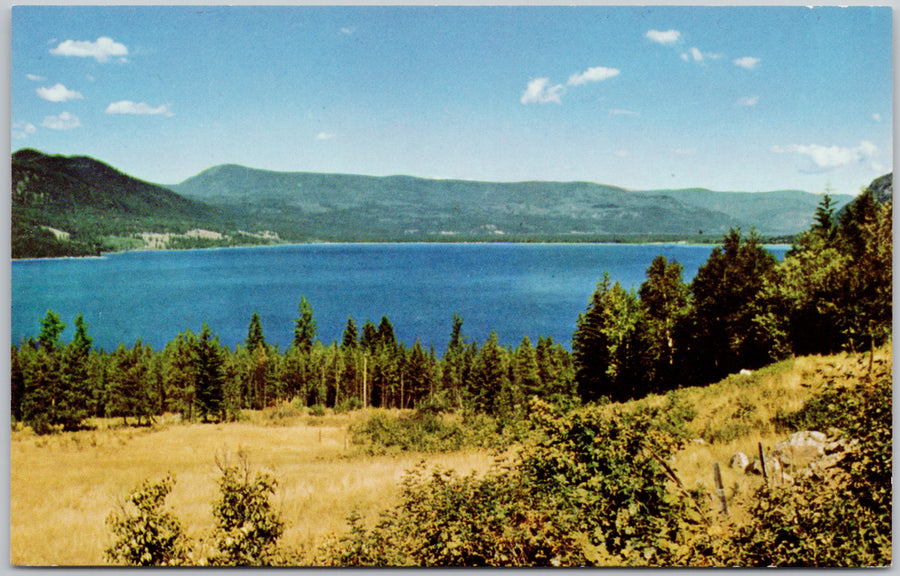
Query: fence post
[[720, 490], [762, 463]]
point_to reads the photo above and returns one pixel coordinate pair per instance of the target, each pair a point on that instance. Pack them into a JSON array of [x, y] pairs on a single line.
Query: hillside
[[335, 206], [77, 205], [72, 206]]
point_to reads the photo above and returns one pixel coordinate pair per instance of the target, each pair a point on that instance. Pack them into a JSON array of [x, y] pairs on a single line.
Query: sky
[[725, 98]]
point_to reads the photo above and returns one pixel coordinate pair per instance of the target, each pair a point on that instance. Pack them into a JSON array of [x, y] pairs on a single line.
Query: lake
[[513, 289]]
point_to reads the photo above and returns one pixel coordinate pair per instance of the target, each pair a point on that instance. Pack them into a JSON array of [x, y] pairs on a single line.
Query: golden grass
[[64, 486]]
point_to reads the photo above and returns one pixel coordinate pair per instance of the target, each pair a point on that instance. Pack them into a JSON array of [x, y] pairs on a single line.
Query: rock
[[745, 372], [773, 467], [803, 445], [739, 461]]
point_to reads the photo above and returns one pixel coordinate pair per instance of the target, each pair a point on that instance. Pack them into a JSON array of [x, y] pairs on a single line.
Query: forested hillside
[[77, 206], [340, 207], [72, 206]]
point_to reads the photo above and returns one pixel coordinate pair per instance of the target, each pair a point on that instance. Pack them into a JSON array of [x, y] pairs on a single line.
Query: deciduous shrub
[[841, 516], [595, 490], [148, 536]]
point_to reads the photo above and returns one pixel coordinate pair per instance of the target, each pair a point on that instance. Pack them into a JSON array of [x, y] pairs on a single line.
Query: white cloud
[[623, 112], [664, 37], [830, 157], [748, 101], [35, 77], [58, 93], [621, 153], [63, 121], [129, 107], [23, 130], [876, 117], [324, 136], [101, 50], [348, 31], [684, 151], [697, 55], [539, 91], [595, 74], [748, 62]]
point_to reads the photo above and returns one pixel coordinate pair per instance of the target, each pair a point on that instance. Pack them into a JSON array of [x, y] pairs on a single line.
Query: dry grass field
[[64, 486]]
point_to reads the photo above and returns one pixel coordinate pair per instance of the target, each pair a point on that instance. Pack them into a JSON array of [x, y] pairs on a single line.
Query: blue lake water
[[516, 290]]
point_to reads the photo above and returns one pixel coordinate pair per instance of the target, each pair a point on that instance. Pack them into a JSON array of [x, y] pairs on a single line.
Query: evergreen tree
[[304, 326], [351, 335], [255, 337], [369, 339], [664, 302], [488, 377], [51, 328], [607, 346], [209, 386], [525, 374], [727, 293]]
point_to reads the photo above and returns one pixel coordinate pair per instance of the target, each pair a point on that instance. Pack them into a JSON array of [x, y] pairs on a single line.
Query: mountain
[[73, 205], [77, 205], [341, 206]]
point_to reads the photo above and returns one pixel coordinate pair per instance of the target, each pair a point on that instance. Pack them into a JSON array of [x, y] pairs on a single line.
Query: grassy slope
[[64, 486]]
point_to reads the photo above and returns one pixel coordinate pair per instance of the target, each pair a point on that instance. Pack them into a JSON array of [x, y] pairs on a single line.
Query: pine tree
[[209, 386], [304, 326], [255, 337], [351, 335]]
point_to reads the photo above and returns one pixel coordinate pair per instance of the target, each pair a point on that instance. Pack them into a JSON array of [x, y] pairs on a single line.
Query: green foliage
[[304, 326], [247, 527], [423, 431], [842, 516], [593, 490], [148, 536]]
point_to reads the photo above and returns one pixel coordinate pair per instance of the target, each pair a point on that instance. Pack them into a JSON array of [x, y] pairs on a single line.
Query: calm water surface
[[516, 290]]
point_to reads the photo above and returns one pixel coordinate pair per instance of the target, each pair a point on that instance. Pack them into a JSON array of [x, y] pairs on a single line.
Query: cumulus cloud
[[101, 50], [595, 74], [324, 136], [664, 37], [539, 91], [826, 158], [748, 101], [58, 93], [62, 121], [748, 62], [35, 77], [23, 130], [141, 108]]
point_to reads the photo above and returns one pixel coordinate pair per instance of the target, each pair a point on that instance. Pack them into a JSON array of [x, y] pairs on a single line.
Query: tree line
[[743, 309]]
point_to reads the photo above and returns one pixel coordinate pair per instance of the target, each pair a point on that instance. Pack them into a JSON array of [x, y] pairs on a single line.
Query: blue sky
[[727, 98]]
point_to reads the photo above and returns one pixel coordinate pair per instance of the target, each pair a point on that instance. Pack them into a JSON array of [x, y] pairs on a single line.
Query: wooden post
[[365, 392], [762, 462], [720, 490]]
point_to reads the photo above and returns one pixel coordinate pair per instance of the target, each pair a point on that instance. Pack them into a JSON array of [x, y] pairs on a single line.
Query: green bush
[[842, 516], [247, 527], [594, 490], [424, 431], [149, 536]]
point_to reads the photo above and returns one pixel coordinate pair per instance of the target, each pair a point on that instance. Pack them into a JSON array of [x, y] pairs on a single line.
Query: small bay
[[515, 290]]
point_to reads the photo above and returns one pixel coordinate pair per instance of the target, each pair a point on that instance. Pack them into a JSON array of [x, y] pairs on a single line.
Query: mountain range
[[76, 204]]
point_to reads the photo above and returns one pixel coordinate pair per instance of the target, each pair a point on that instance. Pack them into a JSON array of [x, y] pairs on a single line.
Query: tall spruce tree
[[304, 326], [210, 382]]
